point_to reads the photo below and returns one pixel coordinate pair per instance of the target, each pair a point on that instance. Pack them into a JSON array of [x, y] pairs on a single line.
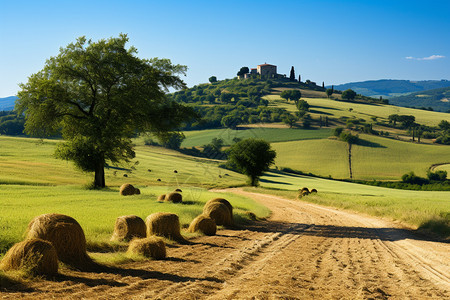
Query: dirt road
[[304, 251]]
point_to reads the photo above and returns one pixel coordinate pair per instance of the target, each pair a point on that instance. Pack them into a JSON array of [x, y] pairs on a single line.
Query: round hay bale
[[164, 224], [137, 191], [313, 191], [174, 197], [162, 197], [125, 175], [127, 189], [223, 201], [219, 212], [65, 234], [152, 247], [128, 227], [178, 190], [32, 255], [305, 192], [158, 179], [304, 189], [204, 224]]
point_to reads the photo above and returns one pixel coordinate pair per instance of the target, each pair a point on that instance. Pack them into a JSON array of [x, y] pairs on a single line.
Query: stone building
[[267, 70]]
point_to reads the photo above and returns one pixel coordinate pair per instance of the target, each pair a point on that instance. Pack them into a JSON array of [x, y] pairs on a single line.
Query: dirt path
[[304, 251]]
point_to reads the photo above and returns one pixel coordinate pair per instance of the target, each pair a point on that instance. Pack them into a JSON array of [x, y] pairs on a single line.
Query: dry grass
[[33, 256], [128, 227]]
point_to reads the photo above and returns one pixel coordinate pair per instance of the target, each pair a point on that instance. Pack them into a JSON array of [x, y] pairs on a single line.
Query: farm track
[[304, 251]]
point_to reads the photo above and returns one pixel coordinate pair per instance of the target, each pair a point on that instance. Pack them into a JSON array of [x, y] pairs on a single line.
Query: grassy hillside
[[203, 137], [337, 109], [31, 161], [438, 99], [379, 158], [388, 88]]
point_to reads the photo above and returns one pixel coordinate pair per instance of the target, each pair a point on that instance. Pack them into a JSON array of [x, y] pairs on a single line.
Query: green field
[[378, 158], [203, 137], [339, 109], [414, 208], [96, 211], [31, 161]]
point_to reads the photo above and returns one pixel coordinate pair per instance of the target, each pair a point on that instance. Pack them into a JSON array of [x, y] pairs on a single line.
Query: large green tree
[[98, 95], [349, 94], [251, 157]]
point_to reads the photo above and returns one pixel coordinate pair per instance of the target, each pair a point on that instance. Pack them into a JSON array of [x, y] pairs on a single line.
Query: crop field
[[376, 158], [203, 137]]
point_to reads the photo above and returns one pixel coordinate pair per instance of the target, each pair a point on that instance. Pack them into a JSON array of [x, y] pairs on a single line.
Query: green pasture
[[203, 137], [375, 158], [339, 109], [31, 161], [96, 211]]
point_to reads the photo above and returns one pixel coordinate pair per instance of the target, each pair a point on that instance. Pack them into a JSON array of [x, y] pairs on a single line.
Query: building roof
[[266, 65]]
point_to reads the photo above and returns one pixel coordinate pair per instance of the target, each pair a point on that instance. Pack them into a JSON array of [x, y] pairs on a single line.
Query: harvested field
[[304, 251]]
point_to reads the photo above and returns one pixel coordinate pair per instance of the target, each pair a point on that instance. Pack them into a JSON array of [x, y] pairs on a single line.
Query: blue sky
[[331, 41]]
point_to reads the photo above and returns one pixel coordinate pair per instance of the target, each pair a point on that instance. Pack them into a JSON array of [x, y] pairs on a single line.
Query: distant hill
[[438, 99], [7, 103], [391, 88]]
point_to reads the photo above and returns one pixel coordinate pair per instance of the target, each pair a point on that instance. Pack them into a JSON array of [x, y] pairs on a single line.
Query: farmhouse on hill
[[266, 70]]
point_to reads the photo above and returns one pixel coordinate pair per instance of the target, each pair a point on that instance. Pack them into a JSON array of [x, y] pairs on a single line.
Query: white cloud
[[432, 57]]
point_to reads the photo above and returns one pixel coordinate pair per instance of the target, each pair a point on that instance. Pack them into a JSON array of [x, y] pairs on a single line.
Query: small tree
[[285, 94], [329, 93], [302, 105], [292, 74], [290, 120], [212, 79], [251, 157], [295, 95], [171, 140], [439, 175], [243, 71], [349, 94]]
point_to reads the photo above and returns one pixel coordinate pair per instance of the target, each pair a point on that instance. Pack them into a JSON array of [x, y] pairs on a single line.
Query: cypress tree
[[292, 75]]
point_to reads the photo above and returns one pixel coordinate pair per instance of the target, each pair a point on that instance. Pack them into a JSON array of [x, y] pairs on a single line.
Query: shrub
[[439, 175]]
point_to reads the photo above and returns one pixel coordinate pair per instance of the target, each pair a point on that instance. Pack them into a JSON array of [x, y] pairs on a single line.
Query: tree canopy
[[98, 95], [349, 94], [251, 157]]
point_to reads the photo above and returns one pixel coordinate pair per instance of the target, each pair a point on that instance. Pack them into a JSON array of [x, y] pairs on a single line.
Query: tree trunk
[[254, 180], [350, 160], [99, 177]]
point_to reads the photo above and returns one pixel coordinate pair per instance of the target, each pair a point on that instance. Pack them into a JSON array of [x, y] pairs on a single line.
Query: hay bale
[[178, 190], [35, 256], [305, 189], [162, 197], [65, 234], [313, 191], [174, 197], [164, 224], [127, 189], [219, 212], [305, 192], [128, 227], [137, 191], [223, 201], [204, 224], [152, 247]]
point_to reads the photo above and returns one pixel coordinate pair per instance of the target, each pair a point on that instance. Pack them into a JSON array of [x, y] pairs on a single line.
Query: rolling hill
[[7, 103], [438, 99], [388, 88]]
